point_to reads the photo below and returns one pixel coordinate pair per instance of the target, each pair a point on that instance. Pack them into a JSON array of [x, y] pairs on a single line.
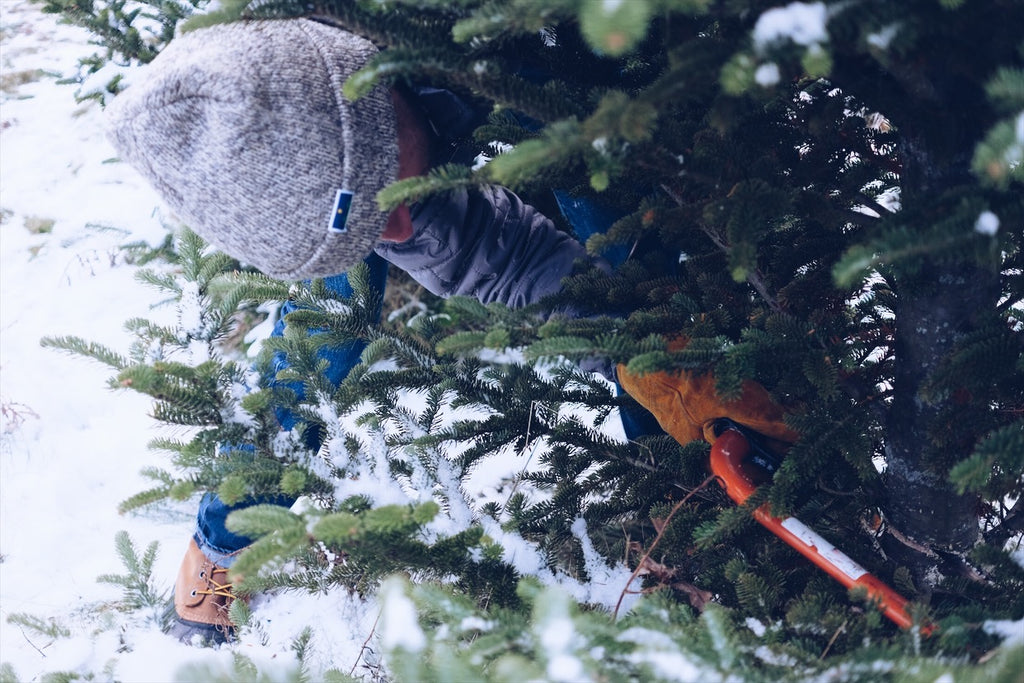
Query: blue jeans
[[211, 535]]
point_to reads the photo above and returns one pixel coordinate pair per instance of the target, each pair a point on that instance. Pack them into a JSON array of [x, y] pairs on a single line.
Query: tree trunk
[[936, 526], [932, 527]]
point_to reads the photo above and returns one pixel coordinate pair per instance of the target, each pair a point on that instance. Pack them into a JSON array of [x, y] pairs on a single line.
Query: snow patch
[[190, 309], [659, 652], [480, 160], [767, 74], [549, 37], [881, 39], [606, 583], [1015, 153], [645, 636], [1015, 546], [890, 199], [566, 668], [670, 666], [803, 23], [557, 635], [517, 551], [476, 624], [987, 223], [1011, 631], [766, 654], [399, 625]]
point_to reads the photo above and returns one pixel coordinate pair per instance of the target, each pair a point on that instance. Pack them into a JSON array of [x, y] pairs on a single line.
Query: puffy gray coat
[[486, 244]]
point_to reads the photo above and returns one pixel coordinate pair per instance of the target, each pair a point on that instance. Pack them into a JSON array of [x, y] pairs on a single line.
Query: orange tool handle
[[728, 463]]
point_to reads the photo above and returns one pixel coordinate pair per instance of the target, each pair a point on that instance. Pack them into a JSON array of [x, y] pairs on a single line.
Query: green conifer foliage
[[823, 197], [137, 583], [130, 33], [197, 383]]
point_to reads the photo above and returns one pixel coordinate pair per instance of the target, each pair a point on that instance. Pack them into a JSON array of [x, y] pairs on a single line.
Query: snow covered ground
[[71, 448]]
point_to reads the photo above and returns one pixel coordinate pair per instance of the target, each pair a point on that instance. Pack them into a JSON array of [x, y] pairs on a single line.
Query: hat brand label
[[339, 216]]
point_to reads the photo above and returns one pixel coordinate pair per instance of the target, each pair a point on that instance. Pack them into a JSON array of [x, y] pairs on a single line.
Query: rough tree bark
[[936, 526], [932, 527]]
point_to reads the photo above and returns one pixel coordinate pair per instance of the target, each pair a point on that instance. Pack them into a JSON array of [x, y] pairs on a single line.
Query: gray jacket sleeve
[[486, 244]]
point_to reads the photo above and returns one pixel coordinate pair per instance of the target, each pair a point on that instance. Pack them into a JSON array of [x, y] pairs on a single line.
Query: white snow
[[767, 74], [756, 626], [1015, 153], [662, 655], [881, 39], [475, 624], [71, 449], [890, 199], [987, 223], [560, 641], [606, 583], [672, 666], [1016, 549], [398, 619], [1011, 631], [801, 22], [566, 668], [548, 36]]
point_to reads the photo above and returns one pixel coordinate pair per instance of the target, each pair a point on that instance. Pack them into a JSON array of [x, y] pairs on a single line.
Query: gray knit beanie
[[244, 131]]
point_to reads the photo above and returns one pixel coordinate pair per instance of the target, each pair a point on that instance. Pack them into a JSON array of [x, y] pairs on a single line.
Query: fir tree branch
[[657, 539], [754, 277], [373, 629], [78, 346], [1012, 524], [757, 281]]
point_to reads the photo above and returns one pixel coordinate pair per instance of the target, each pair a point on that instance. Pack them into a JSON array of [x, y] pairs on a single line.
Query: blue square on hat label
[[339, 216]]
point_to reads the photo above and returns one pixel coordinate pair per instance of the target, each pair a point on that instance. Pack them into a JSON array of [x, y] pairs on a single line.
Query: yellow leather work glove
[[686, 404]]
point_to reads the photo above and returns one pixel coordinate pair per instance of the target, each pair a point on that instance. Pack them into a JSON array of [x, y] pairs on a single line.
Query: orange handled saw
[[739, 468]]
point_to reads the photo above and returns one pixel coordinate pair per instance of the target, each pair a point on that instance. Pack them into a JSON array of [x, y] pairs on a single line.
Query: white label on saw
[[832, 554]]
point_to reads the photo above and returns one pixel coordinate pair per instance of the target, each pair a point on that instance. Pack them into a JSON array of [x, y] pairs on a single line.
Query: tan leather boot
[[202, 596]]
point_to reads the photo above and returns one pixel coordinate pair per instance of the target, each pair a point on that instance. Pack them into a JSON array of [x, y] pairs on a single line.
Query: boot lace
[[214, 587]]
